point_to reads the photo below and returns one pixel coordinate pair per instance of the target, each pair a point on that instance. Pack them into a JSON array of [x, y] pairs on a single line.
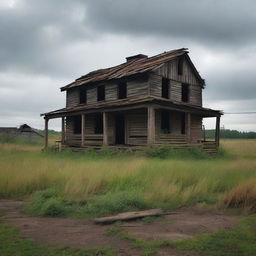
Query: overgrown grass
[[99, 184], [12, 244], [238, 242]]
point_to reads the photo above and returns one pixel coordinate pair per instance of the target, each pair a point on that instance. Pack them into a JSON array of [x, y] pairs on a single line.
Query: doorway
[[120, 129]]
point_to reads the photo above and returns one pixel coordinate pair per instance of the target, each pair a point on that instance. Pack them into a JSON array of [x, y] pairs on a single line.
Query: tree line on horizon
[[230, 134]]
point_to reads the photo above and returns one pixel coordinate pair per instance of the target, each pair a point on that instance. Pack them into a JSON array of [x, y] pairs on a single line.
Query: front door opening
[[120, 129]]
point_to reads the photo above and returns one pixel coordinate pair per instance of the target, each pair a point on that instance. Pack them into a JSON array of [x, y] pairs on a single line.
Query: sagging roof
[[135, 65], [116, 104]]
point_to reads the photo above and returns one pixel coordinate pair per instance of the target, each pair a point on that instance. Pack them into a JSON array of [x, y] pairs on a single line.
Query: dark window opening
[[77, 124], [83, 96], [120, 129], [122, 90], [165, 121], [180, 66], [185, 92], [183, 123], [101, 92], [165, 87], [98, 125]]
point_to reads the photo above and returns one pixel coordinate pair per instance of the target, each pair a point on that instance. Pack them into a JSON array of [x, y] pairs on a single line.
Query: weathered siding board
[[111, 91], [196, 129], [137, 127], [91, 95], [137, 88], [72, 97]]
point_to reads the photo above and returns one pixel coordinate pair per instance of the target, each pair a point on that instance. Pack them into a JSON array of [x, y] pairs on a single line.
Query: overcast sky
[[46, 44]]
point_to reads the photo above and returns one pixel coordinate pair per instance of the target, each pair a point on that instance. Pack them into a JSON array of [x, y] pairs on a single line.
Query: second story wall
[[170, 71], [135, 88]]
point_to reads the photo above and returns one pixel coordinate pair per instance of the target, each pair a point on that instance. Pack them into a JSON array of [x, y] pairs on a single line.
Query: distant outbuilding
[[24, 131]]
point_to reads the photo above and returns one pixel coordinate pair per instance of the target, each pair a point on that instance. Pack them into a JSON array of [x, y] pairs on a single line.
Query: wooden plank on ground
[[128, 216]]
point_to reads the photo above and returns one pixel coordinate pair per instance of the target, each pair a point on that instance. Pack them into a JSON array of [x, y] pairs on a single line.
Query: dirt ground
[[180, 224]]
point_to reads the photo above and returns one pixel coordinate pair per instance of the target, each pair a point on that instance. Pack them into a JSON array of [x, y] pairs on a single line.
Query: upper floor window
[[185, 92], [180, 66], [122, 90], [165, 87], [98, 125], [83, 96], [101, 92], [77, 121]]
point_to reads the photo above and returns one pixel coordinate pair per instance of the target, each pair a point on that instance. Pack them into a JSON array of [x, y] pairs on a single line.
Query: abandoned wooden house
[[144, 101], [24, 131]]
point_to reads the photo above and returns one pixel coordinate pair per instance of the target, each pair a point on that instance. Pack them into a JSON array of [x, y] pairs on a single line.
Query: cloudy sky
[[45, 44]]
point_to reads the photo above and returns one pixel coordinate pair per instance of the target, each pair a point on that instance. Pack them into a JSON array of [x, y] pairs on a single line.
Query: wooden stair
[[210, 147]]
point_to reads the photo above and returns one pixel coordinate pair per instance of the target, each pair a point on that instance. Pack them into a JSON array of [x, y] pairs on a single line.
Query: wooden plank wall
[[196, 129], [169, 70], [72, 97], [136, 122]]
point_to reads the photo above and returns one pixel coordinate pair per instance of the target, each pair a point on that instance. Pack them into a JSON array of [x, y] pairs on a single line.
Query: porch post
[[217, 131], [63, 133], [105, 129], [151, 125], [189, 127], [82, 129], [46, 132]]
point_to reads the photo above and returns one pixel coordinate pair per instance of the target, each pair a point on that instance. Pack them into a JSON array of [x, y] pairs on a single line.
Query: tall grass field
[[97, 184]]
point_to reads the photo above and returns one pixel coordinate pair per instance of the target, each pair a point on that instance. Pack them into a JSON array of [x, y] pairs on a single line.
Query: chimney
[[136, 57]]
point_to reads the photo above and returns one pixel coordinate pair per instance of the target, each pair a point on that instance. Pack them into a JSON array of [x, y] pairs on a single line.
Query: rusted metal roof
[[134, 66]]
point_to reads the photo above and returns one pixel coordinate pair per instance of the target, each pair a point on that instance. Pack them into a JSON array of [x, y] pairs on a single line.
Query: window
[[180, 66], [101, 92], [122, 90], [183, 123], [165, 121], [165, 87], [98, 125], [83, 96], [185, 92], [77, 124]]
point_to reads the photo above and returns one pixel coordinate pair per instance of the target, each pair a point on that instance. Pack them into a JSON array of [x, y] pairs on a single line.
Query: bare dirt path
[[83, 233]]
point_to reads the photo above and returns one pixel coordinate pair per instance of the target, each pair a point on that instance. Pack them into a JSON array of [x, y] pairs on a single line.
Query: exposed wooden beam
[[46, 133], [151, 125], [217, 131], [82, 129], [105, 129]]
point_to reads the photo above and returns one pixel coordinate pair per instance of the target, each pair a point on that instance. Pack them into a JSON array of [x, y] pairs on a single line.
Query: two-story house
[[144, 101]]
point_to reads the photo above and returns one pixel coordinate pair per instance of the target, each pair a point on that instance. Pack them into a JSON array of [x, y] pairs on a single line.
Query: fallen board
[[128, 216]]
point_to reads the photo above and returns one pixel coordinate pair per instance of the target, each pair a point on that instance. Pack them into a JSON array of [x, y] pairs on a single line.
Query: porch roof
[[121, 104]]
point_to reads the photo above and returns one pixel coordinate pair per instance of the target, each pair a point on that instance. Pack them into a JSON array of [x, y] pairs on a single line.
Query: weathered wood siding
[[72, 97], [196, 129], [169, 70], [136, 122]]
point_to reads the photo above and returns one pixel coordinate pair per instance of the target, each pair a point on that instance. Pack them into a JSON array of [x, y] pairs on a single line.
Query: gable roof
[[133, 66]]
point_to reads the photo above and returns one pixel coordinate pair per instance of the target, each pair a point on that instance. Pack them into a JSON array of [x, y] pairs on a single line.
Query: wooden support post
[[217, 131], [188, 128], [46, 133], [63, 134], [105, 129], [82, 129], [151, 125]]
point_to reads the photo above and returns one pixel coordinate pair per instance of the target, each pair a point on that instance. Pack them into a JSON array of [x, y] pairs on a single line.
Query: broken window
[[122, 90], [83, 96], [77, 124], [98, 125], [185, 92], [183, 123], [165, 121], [165, 87], [101, 92], [180, 66]]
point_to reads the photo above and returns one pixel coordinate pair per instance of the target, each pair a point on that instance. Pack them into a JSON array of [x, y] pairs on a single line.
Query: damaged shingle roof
[[135, 64]]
